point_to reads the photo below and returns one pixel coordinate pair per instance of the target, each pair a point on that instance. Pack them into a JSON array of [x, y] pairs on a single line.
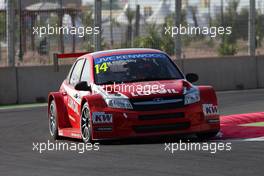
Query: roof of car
[[123, 51]]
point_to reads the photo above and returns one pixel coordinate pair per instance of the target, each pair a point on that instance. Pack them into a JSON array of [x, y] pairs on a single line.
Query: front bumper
[[130, 123]]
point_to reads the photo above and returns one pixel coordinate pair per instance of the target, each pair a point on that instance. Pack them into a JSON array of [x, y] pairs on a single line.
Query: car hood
[[145, 90]]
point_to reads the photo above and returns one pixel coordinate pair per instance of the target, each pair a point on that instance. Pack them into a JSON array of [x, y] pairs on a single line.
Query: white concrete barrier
[[226, 73], [29, 84], [34, 83], [8, 86]]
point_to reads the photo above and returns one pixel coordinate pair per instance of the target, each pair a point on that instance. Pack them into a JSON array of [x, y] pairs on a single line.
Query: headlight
[[118, 103], [191, 96]]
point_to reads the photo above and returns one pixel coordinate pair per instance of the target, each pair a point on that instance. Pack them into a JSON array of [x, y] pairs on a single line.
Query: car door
[[73, 96]]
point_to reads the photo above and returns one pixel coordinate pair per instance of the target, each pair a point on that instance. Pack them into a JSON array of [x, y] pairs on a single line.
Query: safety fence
[[129, 23]]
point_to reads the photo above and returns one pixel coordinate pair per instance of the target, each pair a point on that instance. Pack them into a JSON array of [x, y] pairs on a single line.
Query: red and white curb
[[242, 127]]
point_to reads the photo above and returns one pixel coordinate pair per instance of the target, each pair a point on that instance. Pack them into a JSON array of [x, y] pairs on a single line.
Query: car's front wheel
[[53, 127], [85, 125]]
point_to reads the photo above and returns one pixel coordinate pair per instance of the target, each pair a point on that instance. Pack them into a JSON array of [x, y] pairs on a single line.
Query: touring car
[[128, 93]]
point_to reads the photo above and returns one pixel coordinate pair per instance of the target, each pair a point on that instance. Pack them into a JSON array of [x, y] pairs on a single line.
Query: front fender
[[208, 95], [62, 113], [95, 102]]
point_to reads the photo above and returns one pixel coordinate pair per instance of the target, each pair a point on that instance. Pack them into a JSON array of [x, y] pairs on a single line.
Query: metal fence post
[[61, 13], [55, 62], [10, 17], [20, 54], [97, 23], [177, 24], [252, 28], [137, 23]]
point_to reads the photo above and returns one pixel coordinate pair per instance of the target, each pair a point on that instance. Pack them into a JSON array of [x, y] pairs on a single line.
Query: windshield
[[134, 68]]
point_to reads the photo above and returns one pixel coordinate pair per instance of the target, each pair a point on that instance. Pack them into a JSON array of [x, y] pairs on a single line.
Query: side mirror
[[192, 77], [83, 86]]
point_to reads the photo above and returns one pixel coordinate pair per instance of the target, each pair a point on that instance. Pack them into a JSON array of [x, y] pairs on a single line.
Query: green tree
[[87, 20], [2, 28], [231, 16], [152, 40], [259, 28], [156, 37]]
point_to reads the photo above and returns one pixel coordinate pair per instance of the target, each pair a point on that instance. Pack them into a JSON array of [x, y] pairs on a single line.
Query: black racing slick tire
[[53, 119], [85, 124]]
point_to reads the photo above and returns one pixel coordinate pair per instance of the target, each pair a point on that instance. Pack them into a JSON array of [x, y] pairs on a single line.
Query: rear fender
[[62, 113]]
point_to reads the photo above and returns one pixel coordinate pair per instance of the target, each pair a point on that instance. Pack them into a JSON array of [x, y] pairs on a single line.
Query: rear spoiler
[[57, 56]]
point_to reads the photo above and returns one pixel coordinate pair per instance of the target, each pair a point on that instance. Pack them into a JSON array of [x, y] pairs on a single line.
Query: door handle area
[[76, 95]]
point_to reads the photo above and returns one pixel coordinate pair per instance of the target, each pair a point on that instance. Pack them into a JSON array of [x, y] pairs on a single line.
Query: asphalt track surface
[[21, 127]]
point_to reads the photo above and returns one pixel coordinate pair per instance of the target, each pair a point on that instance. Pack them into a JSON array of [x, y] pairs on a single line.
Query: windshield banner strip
[[128, 56]]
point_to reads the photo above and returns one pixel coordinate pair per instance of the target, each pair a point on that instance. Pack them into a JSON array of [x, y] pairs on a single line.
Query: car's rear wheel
[[206, 135], [86, 131], [53, 126]]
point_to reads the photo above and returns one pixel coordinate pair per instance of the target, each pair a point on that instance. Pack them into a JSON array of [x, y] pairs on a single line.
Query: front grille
[[160, 128], [163, 103], [161, 116]]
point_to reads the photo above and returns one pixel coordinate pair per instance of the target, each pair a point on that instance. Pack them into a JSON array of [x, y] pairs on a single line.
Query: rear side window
[[86, 72], [76, 72], [70, 72]]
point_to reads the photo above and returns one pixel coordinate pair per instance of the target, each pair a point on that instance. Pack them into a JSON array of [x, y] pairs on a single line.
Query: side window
[[86, 72], [76, 73], [70, 72]]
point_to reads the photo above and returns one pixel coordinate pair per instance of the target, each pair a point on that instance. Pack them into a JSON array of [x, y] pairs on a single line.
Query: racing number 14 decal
[[101, 68]]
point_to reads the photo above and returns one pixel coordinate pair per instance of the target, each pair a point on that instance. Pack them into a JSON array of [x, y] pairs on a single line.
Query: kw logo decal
[[210, 109], [101, 117]]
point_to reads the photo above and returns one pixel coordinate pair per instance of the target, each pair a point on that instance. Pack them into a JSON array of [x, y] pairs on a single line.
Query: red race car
[[130, 93]]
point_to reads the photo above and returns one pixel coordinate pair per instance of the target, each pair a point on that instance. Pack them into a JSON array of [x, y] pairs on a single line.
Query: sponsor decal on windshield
[[101, 60], [101, 64]]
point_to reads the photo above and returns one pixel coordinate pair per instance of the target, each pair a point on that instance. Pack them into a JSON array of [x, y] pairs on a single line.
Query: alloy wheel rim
[[52, 120], [85, 125]]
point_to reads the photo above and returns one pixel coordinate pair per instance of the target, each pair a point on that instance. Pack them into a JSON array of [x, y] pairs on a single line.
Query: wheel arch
[[62, 113], [208, 95]]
